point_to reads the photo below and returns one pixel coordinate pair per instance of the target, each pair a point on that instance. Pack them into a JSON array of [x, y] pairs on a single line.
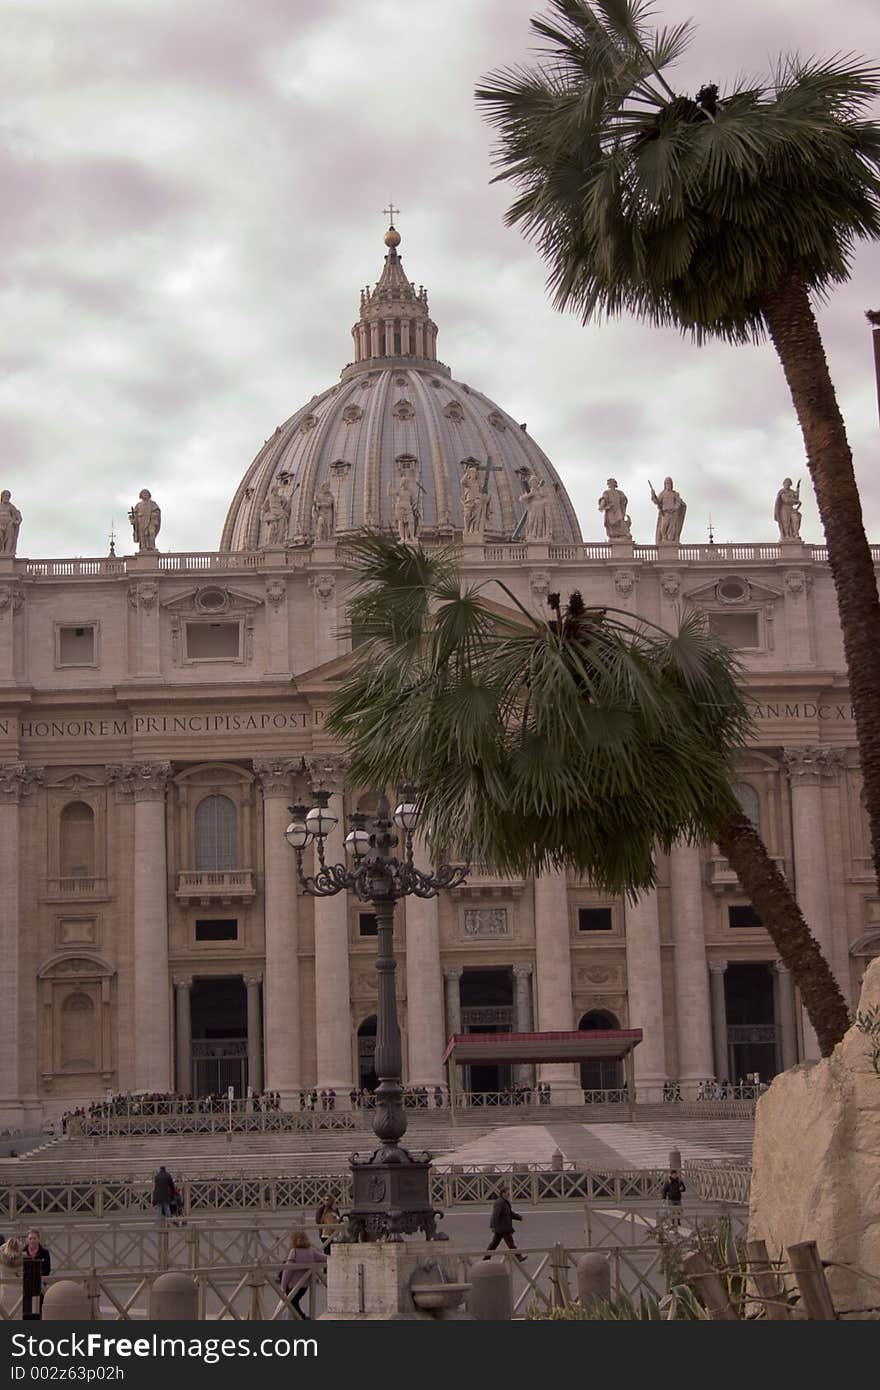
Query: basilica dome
[[395, 411]]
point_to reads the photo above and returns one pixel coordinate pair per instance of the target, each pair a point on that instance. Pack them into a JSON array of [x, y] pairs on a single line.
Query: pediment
[[212, 600], [711, 594], [79, 966], [75, 779]]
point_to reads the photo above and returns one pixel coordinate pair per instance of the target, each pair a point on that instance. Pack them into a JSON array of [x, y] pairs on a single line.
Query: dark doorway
[[367, 1078], [601, 1074], [218, 1006], [751, 1026], [487, 1007]]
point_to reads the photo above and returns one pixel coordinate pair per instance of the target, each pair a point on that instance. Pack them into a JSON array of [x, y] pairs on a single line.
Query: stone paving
[[607, 1145]]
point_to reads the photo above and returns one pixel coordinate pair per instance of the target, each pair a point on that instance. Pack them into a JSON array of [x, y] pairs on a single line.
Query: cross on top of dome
[[394, 319]]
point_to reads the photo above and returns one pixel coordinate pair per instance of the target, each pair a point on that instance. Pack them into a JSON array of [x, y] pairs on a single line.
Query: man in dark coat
[[163, 1191], [501, 1223]]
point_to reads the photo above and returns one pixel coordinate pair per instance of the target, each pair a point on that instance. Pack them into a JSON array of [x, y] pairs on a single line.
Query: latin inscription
[[230, 722], [808, 710]]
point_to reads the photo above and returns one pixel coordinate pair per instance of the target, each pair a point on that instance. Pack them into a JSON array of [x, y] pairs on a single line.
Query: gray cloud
[[192, 202]]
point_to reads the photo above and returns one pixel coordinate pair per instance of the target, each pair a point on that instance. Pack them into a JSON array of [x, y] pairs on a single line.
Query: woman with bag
[[329, 1222], [295, 1278]]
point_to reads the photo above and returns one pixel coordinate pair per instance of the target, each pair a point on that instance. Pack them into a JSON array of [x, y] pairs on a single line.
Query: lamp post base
[[391, 1196]]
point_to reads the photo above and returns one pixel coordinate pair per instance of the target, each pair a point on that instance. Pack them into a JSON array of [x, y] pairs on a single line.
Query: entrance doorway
[[487, 1007], [367, 1078], [752, 1035], [218, 1006], [601, 1073]]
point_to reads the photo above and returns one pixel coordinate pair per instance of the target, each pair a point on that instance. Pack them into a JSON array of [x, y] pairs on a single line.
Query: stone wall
[[816, 1161]]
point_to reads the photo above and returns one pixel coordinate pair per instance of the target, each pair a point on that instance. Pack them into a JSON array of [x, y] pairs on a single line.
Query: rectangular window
[[594, 919], [213, 641], [739, 630], [217, 929], [75, 646], [744, 916], [367, 924]]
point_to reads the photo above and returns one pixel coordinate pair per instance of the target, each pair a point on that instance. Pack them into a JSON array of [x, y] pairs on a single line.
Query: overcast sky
[[192, 195]]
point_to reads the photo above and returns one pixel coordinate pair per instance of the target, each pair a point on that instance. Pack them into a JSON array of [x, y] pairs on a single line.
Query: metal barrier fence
[[451, 1186], [213, 1122]]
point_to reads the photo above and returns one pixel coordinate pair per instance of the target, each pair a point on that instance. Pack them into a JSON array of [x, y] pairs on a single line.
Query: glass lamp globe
[[320, 819], [406, 816], [357, 842], [297, 834]]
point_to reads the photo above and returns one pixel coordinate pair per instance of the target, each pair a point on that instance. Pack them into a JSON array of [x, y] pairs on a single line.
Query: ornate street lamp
[[391, 1188]]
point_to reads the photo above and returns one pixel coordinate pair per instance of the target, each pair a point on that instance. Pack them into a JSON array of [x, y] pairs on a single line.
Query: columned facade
[[692, 1012], [145, 784], [424, 985], [553, 985], [807, 767], [254, 1033], [281, 988], [717, 969], [644, 982], [183, 1033], [15, 782], [332, 987]]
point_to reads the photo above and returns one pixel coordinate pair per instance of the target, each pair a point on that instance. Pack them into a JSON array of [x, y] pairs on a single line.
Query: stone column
[[183, 1031], [281, 994], [553, 993], [452, 980], [786, 1021], [806, 768], [424, 985], [16, 780], [420, 339], [374, 339], [522, 1015], [389, 337], [332, 989], [254, 1033], [146, 784], [692, 1007], [719, 1020], [644, 987]]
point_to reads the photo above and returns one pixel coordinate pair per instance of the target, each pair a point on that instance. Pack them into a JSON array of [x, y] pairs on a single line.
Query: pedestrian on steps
[[501, 1223]]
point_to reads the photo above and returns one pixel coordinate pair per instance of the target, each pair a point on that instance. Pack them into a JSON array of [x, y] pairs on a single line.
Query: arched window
[[750, 802], [78, 1037], [601, 1074], [216, 833], [77, 840]]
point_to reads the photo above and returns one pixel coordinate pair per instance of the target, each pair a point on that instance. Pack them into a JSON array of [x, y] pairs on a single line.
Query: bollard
[[66, 1301], [491, 1295], [556, 1161], [593, 1279], [675, 1160], [174, 1297]]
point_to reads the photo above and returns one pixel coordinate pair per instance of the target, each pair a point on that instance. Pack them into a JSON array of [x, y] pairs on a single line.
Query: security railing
[[452, 1185], [239, 1120]]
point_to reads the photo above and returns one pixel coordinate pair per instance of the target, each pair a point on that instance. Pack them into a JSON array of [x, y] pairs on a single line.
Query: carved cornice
[[11, 598], [808, 765], [143, 595], [274, 775], [18, 780], [140, 781], [327, 770]]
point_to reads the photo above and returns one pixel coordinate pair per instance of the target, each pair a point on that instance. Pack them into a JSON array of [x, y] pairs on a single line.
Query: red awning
[[587, 1046]]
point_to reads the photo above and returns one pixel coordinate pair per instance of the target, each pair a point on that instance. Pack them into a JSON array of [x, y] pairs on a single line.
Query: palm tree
[[583, 741], [719, 215]]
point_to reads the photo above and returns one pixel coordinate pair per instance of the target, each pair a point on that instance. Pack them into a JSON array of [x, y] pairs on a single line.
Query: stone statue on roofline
[[671, 509], [787, 511], [324, 508], [146, 521], [275, 514], [475, 503], [537, 505], [10, 523], [406, 514], [613, 504]]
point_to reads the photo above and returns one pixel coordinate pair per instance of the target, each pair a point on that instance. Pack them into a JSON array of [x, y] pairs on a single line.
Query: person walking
[[295, 1275], [329, 1222], [10, 1276], [672, 1190], [501, 1223], [36, 1266], [163, 1192]]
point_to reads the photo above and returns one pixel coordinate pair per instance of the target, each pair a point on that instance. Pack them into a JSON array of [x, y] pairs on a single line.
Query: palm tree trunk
[[784, 922], [796, 338]]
